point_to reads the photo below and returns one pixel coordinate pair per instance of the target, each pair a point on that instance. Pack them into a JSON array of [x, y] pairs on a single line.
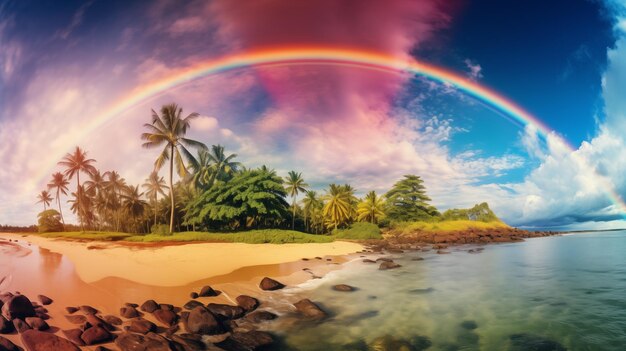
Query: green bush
[[49, 221], [160, 229], [263, 236], [359, 231]]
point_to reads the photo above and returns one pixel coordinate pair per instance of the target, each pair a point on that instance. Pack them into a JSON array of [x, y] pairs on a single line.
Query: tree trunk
[[80, 205], [156, 199], [293, 219], [171, 188]]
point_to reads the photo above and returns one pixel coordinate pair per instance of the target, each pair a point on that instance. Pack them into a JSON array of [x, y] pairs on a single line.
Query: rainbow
[[323, 55]]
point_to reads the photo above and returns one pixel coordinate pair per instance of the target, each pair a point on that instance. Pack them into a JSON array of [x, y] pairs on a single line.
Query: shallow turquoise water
[[565, 292]]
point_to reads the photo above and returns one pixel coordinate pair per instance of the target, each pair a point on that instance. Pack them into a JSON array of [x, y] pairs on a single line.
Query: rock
[[310, 309], [45, 300], [367, 260], [442, 252], [167, 317], [191, 304], [113, 320], [95, 320], [388, 265], [417, 259], [247, 341], [142, 326], [260, 316], [389, 343], [149, 306], [188, 343], [207, 291], [7, 345], [20, 325], [202, 321], [95, 335], [384, 259], [166, 306], [88, 310], [18, 306], [248, 303], [34, 340], [469, 325], [137, 342], [343, 287], [71, 310], [193, 295], [102, 348], [226, 311], [73, 335], [5, 326], [129, 312], [37, 323], [269, 284], [76, 319]]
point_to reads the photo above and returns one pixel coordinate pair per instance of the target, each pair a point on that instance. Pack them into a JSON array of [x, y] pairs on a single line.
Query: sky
[[64, 64]]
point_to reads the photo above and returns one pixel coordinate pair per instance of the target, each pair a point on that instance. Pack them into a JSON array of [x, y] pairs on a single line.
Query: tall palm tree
[[96, 184], [82, 203], [223, 166], [337, 208], [132, 203], [310, 202], [154, 186], [114, 185], [44, 198], [202, 170], [294, 185], [169, 130], [59, 183], [75, 163], [371, 208]]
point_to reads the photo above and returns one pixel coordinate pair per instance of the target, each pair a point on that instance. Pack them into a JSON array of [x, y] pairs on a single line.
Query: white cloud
[[475, 70]]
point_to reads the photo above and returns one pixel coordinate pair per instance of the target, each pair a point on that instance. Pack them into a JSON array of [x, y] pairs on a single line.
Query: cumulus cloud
[[475, 70]]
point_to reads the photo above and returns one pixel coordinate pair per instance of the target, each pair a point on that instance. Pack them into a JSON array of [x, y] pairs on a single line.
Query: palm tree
[[75, 163], [223, 166], [132, 202], [82, 203], [59, 183], [97, 183], [310, 202], [295, 184], [169, 129], [154, 186], [337, 208], [114, 185], [371, 208], [202, 170], [45, 198]]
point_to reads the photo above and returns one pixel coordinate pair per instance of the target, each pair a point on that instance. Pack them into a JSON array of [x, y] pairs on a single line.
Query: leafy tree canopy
[[49, 221], [480, 212], [407, 200]]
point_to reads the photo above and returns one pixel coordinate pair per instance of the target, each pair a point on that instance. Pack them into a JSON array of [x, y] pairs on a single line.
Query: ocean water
[[557, 293]]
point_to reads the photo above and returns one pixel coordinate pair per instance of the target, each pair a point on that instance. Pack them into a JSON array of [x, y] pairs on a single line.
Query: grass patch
[[88, 235], [359, 231], [444, 226], [265, 236]]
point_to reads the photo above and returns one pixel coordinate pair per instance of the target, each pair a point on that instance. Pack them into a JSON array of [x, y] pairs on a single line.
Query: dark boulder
[[137, 342], [247, 341], [189, 343], [226, 311], [34, 340], [207, 291], [5, 326], [73, 335], [113, 320], [76, 319], [167, 317], [149, 306], [95, 335], [193, 295], [129, 312], [37, 323], [344, 288], [388, 265], [88, 309], [71, 310], [248, 303], [260, 316], [20, 325], [202, 321], [95, 320], [18, 306], [191, 304], [309, 309], [367, 260], [45, 300], [142, 326], [269, 284], [529, 342], [7, 345]]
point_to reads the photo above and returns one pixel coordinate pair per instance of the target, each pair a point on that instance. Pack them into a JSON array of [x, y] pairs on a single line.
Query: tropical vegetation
[[216, 195]]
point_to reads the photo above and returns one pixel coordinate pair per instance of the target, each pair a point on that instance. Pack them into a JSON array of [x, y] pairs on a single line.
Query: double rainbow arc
[[325, 55]]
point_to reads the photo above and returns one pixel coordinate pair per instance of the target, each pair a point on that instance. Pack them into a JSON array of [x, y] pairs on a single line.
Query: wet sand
[[72, 274]]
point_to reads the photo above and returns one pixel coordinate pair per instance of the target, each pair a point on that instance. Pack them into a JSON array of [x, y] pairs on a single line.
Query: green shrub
[[359, 231], [49, 221], [160, 229], [263, 236]]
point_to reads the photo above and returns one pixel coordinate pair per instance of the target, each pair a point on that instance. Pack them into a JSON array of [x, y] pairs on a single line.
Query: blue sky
[[62, 62]]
